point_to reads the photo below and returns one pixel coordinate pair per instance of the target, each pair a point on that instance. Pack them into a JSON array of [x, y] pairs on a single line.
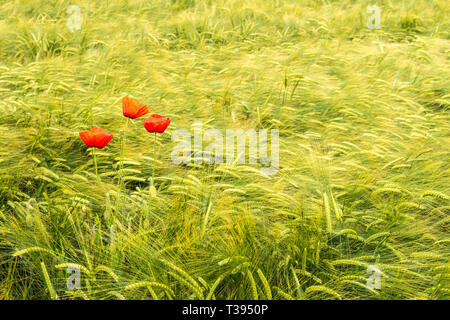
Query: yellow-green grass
[[363, 117]]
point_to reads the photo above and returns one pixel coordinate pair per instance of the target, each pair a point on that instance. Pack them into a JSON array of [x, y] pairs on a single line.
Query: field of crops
[[359, 207]]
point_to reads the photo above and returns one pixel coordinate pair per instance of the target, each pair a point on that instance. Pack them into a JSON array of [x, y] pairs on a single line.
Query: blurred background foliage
[[364, 174]]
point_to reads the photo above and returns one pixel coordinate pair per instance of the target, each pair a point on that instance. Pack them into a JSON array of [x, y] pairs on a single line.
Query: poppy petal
[[142, 111], [87, 138], [156, 123], [103, 140], [96, 137], [125, 106], [133, 109]]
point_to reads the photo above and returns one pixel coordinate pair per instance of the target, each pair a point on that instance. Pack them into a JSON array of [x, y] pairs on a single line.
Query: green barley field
[[359, 207]]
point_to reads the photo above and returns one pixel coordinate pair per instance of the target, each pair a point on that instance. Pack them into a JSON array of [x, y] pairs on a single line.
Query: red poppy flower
[[156, 123], [132, 108], [96, 137]]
